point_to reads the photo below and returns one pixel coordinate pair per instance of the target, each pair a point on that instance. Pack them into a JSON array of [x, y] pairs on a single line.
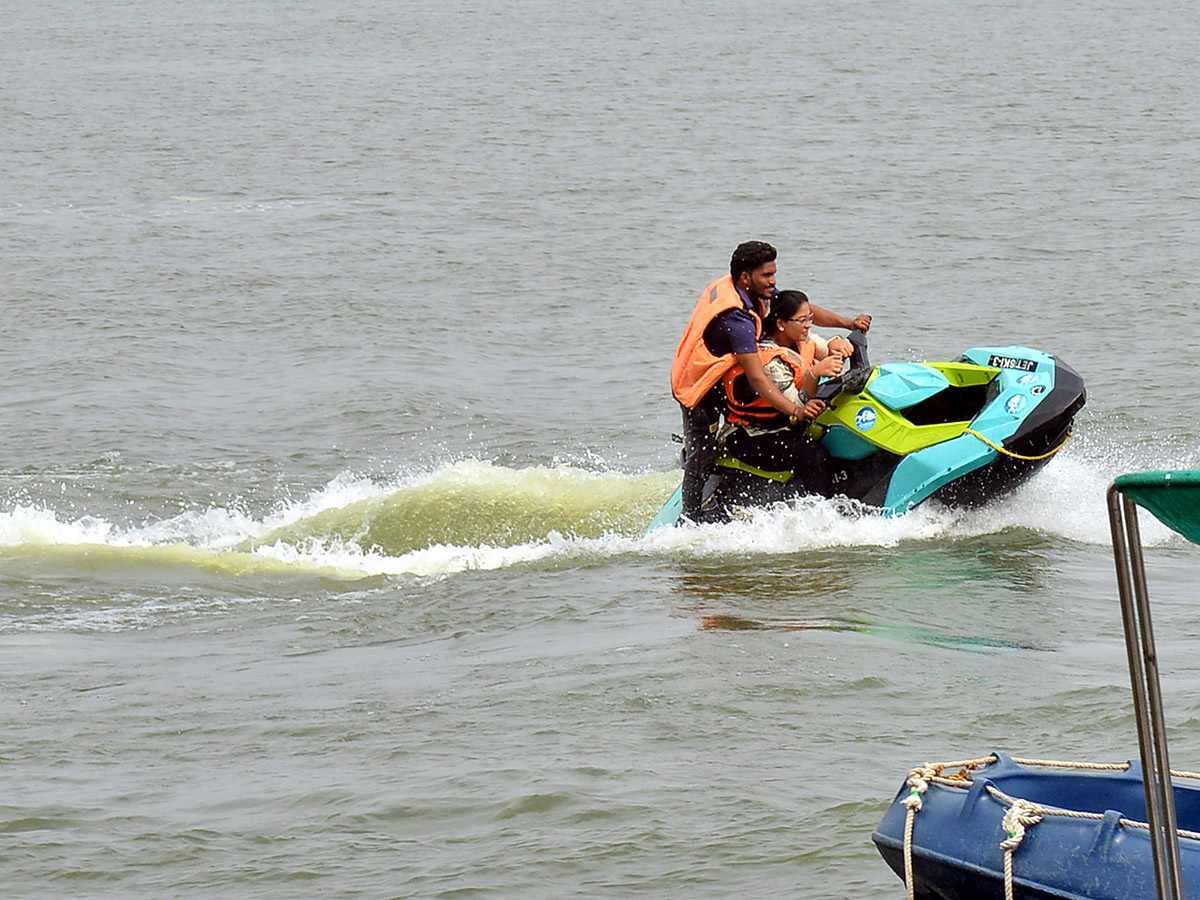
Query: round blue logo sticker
[[1027, 378], [1014, 404], [865, 419]]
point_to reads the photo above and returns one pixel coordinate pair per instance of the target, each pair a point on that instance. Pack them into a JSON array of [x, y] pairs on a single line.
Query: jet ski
[[964, 432]]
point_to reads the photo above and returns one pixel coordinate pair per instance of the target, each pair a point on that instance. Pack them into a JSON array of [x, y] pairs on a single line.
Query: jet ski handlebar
[[854, 378]]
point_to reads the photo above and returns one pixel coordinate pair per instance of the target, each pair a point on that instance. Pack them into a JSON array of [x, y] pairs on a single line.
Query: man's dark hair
[[749, 256]]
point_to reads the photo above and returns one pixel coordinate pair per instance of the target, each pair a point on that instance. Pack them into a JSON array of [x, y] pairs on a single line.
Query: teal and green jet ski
[[963, 432]]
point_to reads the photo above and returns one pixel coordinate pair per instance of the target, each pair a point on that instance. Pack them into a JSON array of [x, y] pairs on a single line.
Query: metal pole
[[1147, 695], [1168, 824]]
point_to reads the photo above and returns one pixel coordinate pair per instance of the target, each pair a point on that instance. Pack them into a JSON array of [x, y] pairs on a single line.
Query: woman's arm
[[829, 367]]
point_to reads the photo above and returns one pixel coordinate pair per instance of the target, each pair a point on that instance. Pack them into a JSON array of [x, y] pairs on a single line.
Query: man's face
[[760, 283]]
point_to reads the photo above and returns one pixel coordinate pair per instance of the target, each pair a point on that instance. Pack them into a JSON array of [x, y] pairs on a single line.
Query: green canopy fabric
[[1173, 498]]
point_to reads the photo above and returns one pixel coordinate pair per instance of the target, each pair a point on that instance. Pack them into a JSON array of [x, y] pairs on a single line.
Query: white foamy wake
[[1065, 500], [433, 561], [35, 525]]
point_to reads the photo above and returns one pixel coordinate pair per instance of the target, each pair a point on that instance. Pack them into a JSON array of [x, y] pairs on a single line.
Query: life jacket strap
[[730, 462]]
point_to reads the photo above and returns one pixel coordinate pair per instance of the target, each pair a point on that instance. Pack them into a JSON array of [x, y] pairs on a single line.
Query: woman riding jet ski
[[894, 435], [768, 456]]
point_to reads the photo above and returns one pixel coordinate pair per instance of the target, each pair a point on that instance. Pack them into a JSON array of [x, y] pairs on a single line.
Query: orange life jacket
[[695, 370], [746, 407]]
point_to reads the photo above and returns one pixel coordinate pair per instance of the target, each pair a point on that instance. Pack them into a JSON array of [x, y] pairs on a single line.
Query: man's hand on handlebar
[[813, 408]]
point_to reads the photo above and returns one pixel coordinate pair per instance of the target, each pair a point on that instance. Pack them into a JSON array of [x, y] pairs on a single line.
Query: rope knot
[[1022, 813], [918, 780]]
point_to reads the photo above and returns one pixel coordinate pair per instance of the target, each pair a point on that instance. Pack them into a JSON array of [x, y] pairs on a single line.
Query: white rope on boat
[[1020, 815], [1076, 814], [918, 780], [1053, 763]]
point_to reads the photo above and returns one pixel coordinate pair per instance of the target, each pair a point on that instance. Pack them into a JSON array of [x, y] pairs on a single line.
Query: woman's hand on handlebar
[[841, 347], [829, 367]]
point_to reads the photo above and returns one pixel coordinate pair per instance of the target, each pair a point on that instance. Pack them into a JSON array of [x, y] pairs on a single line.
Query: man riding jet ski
[[724, 331]]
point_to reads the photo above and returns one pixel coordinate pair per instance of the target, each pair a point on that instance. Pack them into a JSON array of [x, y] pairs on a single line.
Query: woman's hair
[[784, 306]]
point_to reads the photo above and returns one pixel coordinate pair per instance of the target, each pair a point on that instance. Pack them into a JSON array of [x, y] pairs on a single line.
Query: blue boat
[[1036, 829], [1083, 831]]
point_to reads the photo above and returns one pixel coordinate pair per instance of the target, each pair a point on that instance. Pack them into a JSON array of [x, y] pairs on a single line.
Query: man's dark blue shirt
[[733, 331]]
